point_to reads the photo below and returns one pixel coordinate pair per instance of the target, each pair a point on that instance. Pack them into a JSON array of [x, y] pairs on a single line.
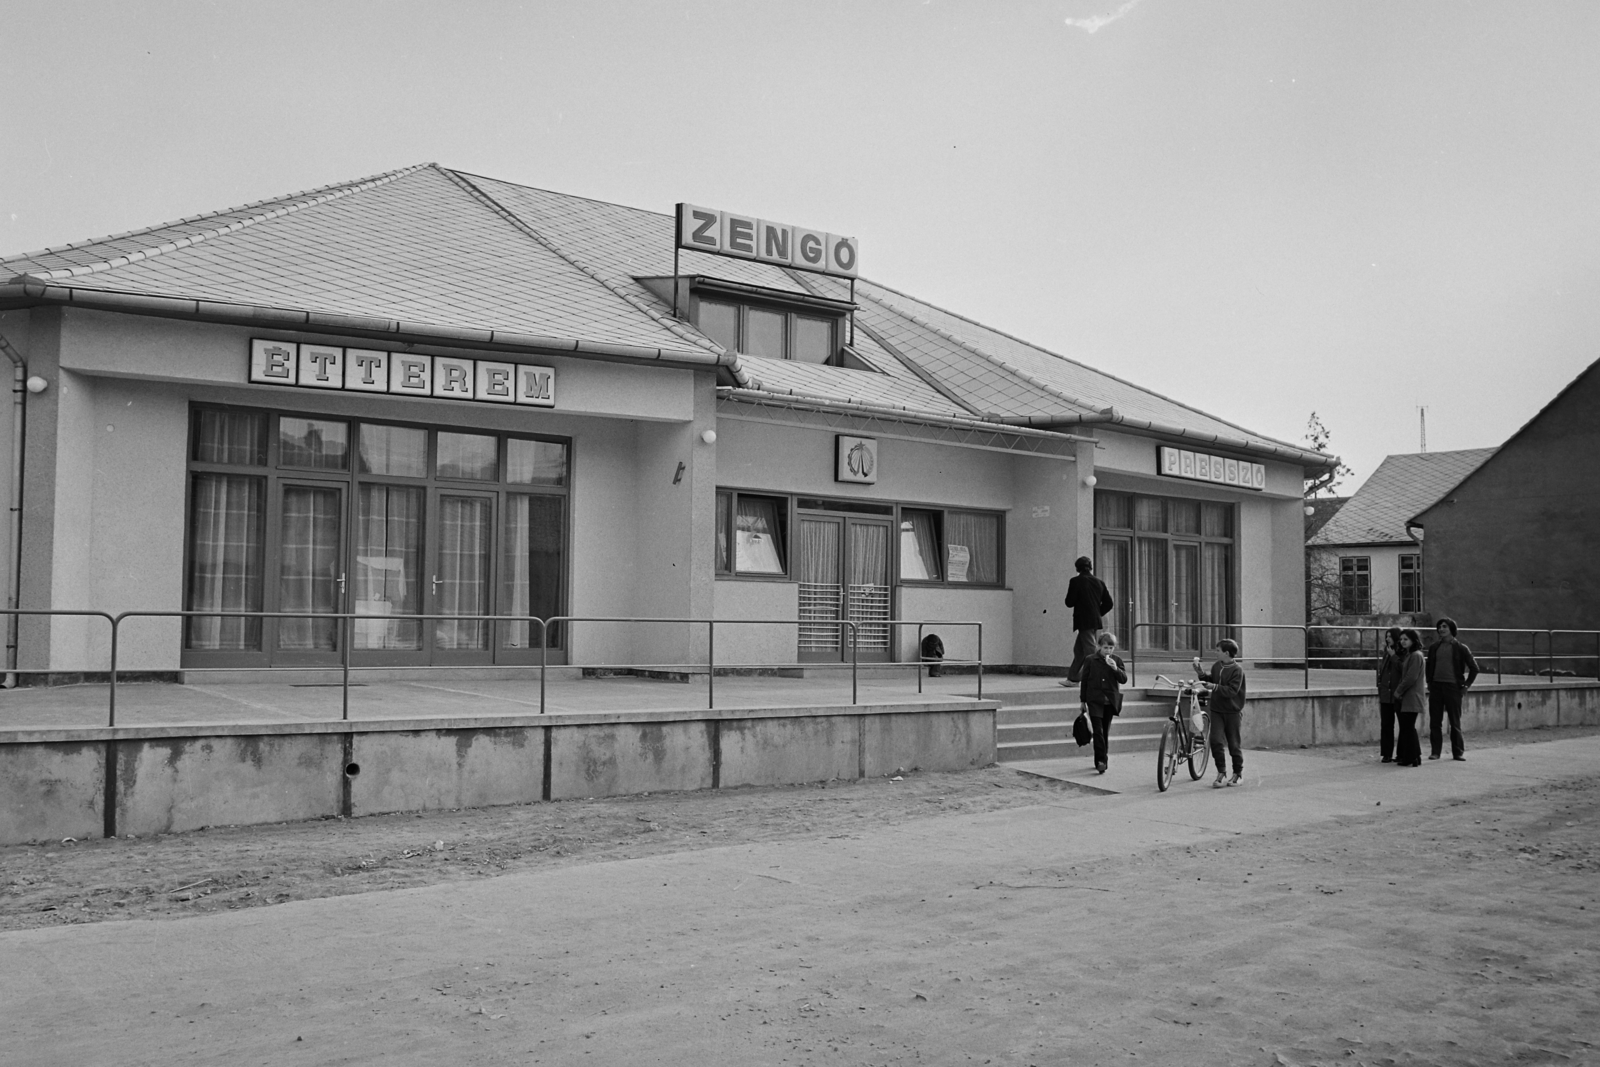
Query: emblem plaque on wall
[[856, 459]]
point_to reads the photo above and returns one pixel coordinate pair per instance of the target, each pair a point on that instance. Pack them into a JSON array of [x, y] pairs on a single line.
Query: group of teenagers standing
[[1100, 674], [1406, 674]]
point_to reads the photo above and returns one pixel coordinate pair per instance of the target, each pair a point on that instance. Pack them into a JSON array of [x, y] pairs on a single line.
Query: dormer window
[[770, 332], [756, 320]]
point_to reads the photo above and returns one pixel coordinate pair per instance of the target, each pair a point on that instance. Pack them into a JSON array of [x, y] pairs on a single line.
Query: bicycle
[[1187, 735]]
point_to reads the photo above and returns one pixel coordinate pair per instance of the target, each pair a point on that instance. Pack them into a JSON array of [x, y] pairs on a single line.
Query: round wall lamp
[[709, 437], [37, 384], [1091, 481], [1310, 511]]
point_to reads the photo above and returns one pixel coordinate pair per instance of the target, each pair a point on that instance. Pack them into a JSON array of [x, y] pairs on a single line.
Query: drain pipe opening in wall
[[19, 390]]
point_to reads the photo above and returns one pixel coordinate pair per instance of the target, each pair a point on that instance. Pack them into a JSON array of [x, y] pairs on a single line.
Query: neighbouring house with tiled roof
[[431, 393], [1364, 561]]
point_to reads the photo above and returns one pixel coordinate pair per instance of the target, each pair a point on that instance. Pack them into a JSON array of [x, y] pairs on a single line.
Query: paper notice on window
[[956, 567]]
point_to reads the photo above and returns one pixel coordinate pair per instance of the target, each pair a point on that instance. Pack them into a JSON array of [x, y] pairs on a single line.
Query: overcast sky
[[1259, 208]]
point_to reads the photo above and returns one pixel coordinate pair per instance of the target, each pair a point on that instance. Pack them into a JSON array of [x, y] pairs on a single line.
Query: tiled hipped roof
[[1401, 487], [425, 252]]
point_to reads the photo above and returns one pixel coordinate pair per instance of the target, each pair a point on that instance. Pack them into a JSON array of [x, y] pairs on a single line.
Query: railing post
[[1499, 660], [711, 664], [854, 658], [1133, 653], [344, 666], [1550, 647], [544, 658], [918, 654], [1305, 649], [980, 661], [111, 711]]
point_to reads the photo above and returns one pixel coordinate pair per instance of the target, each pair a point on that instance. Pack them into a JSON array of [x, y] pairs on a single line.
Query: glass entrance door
[[843, 570], [387, 574], [311, 576], [820, 570], [867, 593]]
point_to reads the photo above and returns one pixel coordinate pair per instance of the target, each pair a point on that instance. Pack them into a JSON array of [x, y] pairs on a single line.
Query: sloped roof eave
[[30, 290]]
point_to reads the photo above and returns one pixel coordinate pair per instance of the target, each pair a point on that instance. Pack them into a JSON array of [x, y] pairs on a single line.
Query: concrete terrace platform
[[450, 694]]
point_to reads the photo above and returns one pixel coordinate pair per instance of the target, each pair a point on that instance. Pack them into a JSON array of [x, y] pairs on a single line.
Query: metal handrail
[[1550, 653], [945, 622], [849, 635]]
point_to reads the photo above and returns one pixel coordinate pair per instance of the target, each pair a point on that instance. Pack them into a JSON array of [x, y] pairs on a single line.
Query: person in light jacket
[[1227, 710], [1388, 674], [1408, 695], [1101, 692]]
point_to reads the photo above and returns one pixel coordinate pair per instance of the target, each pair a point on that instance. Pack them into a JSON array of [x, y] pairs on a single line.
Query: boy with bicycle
[[1226, 681]]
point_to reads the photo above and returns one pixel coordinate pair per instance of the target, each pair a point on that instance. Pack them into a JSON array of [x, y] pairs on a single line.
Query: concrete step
[[1045, 713], [1123, 744], [1045, 731]]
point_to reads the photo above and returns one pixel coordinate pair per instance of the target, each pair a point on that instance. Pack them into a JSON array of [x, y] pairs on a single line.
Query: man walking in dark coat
[[1451, 669], [1090, 602]]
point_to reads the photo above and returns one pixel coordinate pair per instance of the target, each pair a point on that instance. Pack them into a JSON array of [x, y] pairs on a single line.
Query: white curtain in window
[[388, 564], [225, 560], [309, 569], [758, 547], [463, 570], [972, 547], [919, 546]]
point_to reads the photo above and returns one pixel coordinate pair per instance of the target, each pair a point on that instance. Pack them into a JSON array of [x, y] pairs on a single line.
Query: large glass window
[[422, 522], [972, 547], [934, 544], [1168, 562], [227, 516]]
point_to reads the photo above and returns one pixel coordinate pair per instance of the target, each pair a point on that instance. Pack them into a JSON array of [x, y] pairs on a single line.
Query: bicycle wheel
[[1167, 757], [1200, 753]]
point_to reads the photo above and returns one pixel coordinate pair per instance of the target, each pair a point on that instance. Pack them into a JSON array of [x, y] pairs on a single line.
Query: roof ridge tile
[[293, 202], [1076, 363], [667, 322]]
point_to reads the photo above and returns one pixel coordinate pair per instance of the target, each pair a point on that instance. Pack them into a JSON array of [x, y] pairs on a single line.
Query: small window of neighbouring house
[[1411, 584], [1355, 585]]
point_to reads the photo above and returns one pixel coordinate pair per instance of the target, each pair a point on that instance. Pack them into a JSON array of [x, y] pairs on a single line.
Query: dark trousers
[[1445, 699], [1386, 733], [1083, 649], [1225, 727], [1409, 750], [1101, 721]]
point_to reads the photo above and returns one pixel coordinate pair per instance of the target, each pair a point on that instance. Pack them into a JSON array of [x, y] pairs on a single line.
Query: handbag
[[1082, 732]]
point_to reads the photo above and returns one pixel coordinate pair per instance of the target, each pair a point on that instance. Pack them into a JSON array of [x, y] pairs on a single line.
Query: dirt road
[[980, 918]]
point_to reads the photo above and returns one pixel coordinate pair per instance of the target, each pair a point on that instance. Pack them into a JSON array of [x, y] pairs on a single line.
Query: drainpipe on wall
[[19, 389]]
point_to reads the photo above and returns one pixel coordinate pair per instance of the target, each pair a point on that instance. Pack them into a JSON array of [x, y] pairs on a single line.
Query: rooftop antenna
[[1422, 417]]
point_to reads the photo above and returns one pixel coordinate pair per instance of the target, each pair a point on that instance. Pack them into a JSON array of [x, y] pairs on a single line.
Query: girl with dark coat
[[1101, 692], [1388, 676], [1410, 698]]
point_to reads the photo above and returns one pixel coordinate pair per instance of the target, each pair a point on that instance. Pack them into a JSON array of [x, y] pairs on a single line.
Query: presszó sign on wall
[[363, 370], [722, 233], [1219, 470]]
